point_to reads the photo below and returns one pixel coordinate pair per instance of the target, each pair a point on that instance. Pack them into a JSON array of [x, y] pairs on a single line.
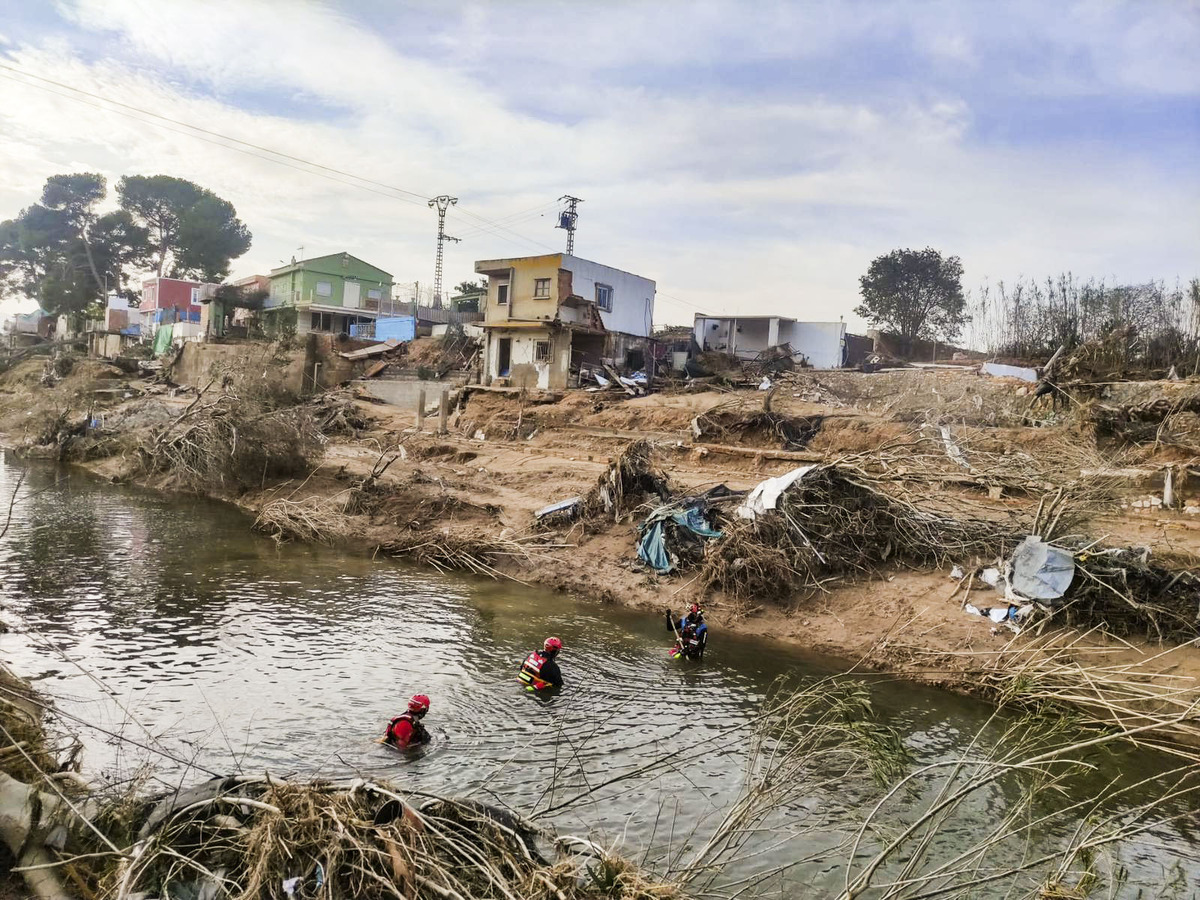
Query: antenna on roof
[[567, 219]]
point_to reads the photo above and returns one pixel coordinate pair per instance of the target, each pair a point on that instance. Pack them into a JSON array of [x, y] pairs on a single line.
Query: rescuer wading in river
[[406, 729], [540, 672]]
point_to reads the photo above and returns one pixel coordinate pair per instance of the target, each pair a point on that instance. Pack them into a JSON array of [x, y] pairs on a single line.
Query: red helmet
[[695, 607], [552, 645], [418, 704]]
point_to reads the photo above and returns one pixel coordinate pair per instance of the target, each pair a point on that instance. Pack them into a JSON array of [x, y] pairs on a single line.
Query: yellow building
[[547, 317]]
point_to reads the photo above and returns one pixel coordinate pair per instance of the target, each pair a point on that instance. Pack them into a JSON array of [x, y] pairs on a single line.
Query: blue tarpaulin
[[687, 514]]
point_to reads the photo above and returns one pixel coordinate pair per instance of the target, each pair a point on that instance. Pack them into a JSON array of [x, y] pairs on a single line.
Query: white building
[[820, 344]]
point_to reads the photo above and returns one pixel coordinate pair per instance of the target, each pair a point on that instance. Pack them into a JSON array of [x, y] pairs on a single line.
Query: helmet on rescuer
[[695, 607], [552, 645], [418, 704]]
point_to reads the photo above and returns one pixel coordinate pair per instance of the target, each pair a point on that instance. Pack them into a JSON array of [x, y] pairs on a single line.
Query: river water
[[168, 632]]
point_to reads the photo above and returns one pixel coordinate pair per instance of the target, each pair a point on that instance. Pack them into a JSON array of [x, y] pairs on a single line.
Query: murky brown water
[[167, 622]]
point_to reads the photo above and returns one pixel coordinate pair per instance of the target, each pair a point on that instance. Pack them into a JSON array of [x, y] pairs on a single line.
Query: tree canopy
[[193, 232], [915, 293], [63, 254]]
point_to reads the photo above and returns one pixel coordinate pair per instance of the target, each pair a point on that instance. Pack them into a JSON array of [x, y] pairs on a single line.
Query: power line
[[488, 226], [217, 143], [418, 196]]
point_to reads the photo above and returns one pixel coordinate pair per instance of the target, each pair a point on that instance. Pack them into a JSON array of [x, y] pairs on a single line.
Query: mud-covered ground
[[506, 455]]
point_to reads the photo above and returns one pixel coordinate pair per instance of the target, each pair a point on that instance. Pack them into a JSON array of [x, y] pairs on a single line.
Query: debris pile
[[674, 535], [794, 531], [336, 413], [732, 423], [224, 443], [1117, 589], [630, 480], [257, 836]]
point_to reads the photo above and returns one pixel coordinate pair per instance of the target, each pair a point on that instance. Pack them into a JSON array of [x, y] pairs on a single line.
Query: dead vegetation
[[223, 443], [732, 422], [631, 479], [834, 521], [262, 838]]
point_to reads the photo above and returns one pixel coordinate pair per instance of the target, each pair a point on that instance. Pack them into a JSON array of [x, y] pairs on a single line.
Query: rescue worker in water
[[540, 672], [406, 729], [692, 632]]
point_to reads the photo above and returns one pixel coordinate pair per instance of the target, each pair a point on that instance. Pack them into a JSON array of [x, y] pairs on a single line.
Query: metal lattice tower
[[442, 203], [567, 219]]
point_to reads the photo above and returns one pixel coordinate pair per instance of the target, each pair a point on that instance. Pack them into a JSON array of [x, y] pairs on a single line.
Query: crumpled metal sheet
[[1040, 571]]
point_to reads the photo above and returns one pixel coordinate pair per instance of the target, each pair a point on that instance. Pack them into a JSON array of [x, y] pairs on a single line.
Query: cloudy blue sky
[[748, 157]]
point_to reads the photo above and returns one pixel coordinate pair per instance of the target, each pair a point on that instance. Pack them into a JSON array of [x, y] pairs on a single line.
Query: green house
[[330, 293]]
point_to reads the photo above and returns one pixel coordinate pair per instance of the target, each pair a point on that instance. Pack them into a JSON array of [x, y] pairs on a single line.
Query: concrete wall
[[404, 392], [821, 343], [311, 367]]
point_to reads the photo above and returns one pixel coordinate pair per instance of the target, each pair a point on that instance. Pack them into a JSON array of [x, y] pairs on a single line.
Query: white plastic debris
[[766, 493], [765, 384], [957, 573], [990, 576]]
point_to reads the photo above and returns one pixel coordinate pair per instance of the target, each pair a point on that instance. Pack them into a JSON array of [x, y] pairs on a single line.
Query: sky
[[750, 158]]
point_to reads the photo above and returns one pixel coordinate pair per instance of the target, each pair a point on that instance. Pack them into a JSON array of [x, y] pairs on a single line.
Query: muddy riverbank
[[467, 499]]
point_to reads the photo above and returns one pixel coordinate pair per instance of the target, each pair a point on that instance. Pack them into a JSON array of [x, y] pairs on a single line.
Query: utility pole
[[442, 203], [567, 219]]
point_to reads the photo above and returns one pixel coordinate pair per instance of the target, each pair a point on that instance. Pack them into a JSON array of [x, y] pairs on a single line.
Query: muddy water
[[170, 633]]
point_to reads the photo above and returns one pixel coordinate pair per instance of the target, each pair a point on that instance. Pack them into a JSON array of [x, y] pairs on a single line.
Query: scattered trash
[[565, 509], [990, 576], [957, 573], [1012, 616], [290, 885], [765, 384]]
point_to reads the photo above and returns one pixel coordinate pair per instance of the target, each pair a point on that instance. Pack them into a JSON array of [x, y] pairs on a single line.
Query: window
[[541, 351], [502, 295], [195, 295], [374, 294], [541, 287], [604, 297], [322, 322], [324, 288]]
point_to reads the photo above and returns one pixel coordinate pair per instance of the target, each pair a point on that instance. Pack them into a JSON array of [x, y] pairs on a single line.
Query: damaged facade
[[546, 317]]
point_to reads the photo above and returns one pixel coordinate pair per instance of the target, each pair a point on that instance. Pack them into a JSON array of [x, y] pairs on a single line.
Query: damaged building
[[549, 318], [818, 344]]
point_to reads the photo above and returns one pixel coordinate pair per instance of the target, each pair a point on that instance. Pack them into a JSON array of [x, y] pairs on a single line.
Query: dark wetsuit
[[406, 731], [540, 671]]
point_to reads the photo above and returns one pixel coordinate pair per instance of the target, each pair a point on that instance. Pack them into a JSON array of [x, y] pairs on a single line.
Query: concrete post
[[420, 409], [444, 412]]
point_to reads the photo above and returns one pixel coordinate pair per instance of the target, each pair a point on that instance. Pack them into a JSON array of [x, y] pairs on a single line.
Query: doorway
[[504, 357]]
